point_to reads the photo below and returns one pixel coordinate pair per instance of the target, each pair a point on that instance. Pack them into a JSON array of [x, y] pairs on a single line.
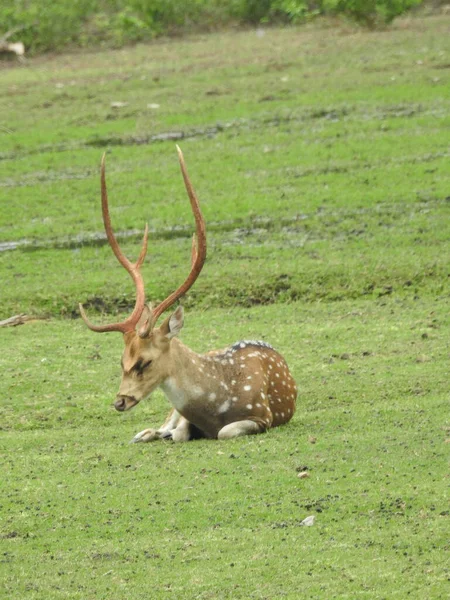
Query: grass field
[[321, 159]]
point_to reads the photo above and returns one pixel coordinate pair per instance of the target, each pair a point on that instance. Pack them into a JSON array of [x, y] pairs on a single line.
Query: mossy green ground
[[321, 160]]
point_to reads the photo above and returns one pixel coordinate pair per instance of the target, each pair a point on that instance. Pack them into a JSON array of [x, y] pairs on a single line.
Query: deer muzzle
[[123, 403]]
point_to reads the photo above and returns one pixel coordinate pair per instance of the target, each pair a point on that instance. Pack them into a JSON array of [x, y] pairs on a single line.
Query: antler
[[197, 261], [132, 268], [198, 254]]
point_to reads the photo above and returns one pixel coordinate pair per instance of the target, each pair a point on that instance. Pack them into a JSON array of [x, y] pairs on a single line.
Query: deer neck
[[191, 377]]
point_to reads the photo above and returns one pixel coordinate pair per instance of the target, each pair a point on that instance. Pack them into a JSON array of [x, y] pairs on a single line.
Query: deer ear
[[173, 325]]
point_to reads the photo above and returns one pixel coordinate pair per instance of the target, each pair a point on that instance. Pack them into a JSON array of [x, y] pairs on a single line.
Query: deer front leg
[[174, 427]]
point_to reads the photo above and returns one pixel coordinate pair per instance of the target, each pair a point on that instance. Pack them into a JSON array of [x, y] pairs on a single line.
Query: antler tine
[[198, 245], [133, 269], [140, 261]]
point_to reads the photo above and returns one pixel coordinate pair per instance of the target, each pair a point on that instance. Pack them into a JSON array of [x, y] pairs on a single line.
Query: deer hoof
[[148, 435]]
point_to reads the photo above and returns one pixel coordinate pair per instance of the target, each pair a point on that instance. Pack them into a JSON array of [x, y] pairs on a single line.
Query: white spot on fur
[[197, 391], [249, 406], [212, 396], [224, 407], [247, 388]]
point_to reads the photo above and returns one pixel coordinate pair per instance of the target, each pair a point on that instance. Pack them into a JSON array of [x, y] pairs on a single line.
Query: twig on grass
[[17, 320]]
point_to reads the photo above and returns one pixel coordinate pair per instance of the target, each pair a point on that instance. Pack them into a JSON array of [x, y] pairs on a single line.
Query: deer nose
[[121, 402]]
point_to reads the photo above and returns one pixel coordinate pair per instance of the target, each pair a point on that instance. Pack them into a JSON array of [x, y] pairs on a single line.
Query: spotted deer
[[241, 390]]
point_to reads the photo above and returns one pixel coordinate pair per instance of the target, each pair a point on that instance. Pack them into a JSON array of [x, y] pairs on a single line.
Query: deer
[[244, 389]]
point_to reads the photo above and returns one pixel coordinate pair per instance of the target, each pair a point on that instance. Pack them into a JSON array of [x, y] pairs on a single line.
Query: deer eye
[[140, 366]]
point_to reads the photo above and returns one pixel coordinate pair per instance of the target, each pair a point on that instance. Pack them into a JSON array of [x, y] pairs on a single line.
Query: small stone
[[303, 475], [422, 358]]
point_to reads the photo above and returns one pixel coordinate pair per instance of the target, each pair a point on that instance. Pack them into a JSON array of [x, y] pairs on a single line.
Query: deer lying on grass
[[242, 390]]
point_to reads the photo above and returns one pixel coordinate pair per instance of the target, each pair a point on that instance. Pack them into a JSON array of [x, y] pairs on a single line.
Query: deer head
[[146, 360]]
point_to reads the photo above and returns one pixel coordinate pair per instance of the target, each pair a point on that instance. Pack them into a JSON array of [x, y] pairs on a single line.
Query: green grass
[[44, 27], [94, 516], [321, 160]]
